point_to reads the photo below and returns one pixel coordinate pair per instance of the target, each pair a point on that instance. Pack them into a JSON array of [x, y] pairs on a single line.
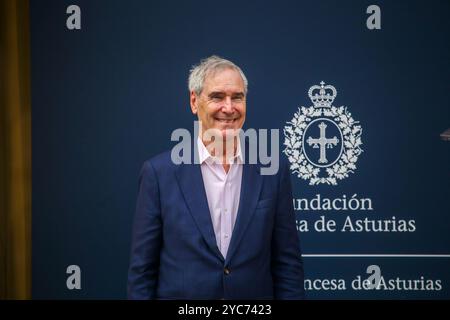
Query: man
[[217, 229]]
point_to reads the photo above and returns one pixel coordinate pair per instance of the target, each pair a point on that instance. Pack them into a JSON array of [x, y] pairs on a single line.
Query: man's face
[[221, 104]]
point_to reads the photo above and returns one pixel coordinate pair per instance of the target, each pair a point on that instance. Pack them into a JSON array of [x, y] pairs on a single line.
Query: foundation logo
[[323, 142]]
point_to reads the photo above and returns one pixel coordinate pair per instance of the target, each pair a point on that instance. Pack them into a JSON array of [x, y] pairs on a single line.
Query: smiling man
[[216, 229], [219, 102]]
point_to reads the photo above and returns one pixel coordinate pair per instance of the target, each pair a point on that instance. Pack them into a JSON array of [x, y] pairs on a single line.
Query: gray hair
[[199, 72]]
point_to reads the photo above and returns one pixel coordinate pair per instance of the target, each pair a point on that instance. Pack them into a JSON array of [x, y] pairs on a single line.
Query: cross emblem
[[322, 142]]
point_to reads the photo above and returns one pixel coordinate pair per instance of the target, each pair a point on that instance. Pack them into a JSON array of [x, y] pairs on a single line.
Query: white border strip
[[376, 255]]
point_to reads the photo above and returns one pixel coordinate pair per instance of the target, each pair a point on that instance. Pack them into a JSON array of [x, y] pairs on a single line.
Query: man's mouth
[[227, 121]]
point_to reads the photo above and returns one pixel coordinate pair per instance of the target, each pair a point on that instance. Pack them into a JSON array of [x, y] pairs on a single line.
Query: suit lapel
[[250, 190], [190, 180]]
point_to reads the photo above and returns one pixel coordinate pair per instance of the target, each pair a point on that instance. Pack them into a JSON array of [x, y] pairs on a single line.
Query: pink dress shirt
[[222, 191]]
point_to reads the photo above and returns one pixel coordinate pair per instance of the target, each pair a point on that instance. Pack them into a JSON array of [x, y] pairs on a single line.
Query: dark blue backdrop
[[107, 97]]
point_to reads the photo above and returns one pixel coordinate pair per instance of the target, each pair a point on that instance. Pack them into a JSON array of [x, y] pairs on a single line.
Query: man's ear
[[194, 102]]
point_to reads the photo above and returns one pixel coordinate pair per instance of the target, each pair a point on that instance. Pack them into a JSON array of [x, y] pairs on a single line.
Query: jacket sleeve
[[287, 265], [146, 238]]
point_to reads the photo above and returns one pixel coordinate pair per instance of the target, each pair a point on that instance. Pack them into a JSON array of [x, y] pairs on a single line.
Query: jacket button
[[226, 271]]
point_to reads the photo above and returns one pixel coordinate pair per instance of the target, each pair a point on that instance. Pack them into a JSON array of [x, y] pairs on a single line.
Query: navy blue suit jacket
[[174, 254]]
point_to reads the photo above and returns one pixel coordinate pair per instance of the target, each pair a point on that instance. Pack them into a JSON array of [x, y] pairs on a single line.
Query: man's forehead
[[221, 80]]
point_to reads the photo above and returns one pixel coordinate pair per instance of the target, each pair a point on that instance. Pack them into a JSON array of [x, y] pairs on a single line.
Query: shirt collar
[[205, 156]]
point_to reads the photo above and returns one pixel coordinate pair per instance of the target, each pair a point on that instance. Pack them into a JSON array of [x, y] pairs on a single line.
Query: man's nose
[[227, 105]]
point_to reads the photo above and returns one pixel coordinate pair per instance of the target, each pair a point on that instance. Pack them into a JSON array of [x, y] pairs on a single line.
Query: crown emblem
[[323, 142], [322, 96]]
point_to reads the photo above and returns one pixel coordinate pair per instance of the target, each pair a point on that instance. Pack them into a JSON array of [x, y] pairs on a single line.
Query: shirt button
[[226, 236], [226, 271]]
